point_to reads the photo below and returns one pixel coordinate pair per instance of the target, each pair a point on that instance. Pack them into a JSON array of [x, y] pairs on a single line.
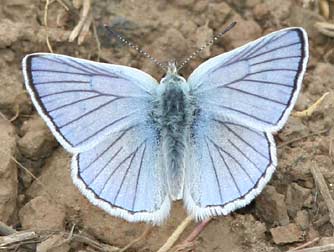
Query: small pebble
[[287, 234]]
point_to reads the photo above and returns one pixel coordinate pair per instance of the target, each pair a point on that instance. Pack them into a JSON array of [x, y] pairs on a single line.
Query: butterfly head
[[171, 68], [172, 76]]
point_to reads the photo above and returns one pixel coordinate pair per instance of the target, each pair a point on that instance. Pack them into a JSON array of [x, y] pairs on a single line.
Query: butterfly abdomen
[[173, 115]]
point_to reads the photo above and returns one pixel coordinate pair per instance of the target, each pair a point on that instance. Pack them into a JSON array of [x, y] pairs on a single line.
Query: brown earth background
[[291, 210]]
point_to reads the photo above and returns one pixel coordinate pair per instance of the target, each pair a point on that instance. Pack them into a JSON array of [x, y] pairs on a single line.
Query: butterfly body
[[138, 145], [173, 114]]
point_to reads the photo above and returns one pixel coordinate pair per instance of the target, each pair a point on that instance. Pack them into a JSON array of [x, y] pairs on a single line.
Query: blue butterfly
[[137, 145]]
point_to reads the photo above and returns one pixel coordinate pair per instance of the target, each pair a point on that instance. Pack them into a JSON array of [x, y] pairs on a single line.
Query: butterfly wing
[[123, 175], [242, 97], [83, 101], [256, 84], [228, 165], [100, 112]]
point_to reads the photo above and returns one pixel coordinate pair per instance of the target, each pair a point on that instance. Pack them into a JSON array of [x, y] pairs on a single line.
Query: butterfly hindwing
[[84, 101], [123, 175], [257, 83], [228, 165]]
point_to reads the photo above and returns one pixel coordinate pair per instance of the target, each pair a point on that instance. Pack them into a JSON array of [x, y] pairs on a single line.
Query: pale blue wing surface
[[124, 176], [228, 164], [256, 84], [84, 101]]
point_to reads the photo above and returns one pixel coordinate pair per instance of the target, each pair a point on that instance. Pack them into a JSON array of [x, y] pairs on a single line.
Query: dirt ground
[[292, 209]]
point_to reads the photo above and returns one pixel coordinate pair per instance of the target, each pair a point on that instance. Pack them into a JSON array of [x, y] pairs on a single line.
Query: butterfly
[[138, 145]]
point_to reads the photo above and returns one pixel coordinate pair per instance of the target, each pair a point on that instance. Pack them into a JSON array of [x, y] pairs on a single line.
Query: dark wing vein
[[88, 113], [236, 161], [244, 141], [102, 169], [254, 73], [244, 155], [236, 124], [125, 175], [267, 82], [131, 155], [71, 91], [214, 170], [242, 112], [274, 49], [59, 71], [138, 177], [105, 127], [255, 95], [114, 171], [127, 170], [60, 81], [226, 165], [108, 148], [74, 102], [274, 59]]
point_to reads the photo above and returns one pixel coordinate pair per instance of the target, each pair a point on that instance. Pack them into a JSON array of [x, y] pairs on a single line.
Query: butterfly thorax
[[173, 117]]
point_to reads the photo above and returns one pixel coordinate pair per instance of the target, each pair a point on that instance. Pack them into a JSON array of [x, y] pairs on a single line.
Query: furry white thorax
[[173, 115]]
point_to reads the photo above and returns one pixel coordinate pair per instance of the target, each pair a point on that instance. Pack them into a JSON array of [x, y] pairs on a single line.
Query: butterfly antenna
[[209, 43], [135, 47]]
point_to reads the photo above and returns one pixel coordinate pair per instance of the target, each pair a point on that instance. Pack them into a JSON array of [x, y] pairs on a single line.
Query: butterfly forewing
[[256, 84], [84, 101]]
